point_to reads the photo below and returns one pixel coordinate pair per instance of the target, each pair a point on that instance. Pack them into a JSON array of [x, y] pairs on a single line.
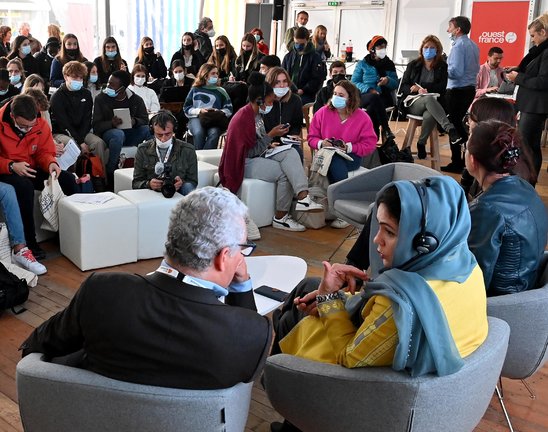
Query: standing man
[[490, 75], [169, 328], [463, 68], [302, 21], [203, 34]]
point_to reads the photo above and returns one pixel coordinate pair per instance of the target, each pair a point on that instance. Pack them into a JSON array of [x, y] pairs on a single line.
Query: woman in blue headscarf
[[424, 310]]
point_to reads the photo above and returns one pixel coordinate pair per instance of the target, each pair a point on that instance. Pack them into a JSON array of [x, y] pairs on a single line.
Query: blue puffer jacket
[[508, 235], [366, 75]]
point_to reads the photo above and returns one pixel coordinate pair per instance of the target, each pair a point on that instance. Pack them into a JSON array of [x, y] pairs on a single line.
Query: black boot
[[388, 134], [421, 150], [457, 165]]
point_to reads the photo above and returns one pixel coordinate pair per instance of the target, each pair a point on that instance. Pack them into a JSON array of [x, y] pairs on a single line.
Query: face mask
[[25, 50], [380, 53], [74, 85], [149, 50], [299, 46], [429, 53], [93, 78], [338, 102], [109, 92], [21, 128], [221, 51], [111, 54], [452, 37], [212, 80], [257, 37], [281, 91], [3, 92], [301, 25], [53, 52], [139, 81], [211, 33], [187, 47], [14, 79], [163, 145], [73, 52], [266, 109], [248, 50], [179, 76], [338, 77]]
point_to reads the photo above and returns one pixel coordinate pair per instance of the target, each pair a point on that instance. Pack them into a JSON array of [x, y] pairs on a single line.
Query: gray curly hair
[[203, 222]]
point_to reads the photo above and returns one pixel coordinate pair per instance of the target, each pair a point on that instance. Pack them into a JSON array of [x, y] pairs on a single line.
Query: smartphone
[[272, 293], [286, 125]]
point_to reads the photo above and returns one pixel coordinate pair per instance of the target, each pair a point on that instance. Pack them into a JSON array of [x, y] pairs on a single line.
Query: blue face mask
[[299, 46], [25, 50], [266, 109], [111, 54], [3, 92], [257, 37], [93, 78], [74, 85], [338, 102], [109, 92], [212, 80], [14, 79], [429, 53]]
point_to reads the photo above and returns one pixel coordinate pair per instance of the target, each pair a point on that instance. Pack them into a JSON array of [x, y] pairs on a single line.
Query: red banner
[[502, 24]]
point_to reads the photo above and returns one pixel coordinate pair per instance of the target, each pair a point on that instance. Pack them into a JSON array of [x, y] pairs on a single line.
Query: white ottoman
[[123, 177], [98, 235], [153, 212], [212, 156], [128, 152], [206, 173]]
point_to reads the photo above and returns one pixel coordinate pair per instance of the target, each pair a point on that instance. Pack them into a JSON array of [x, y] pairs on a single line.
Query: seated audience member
[[202, 36], [139, 87], [428, 74], [34, 81], [27, 158], [24, 29], [164, 150], [448, 317], [110, 60], [191, 58], [16, 72], [41, 101], [287, 107], [249, 58], [7, 90], [337, 72], [21, 49], [205, 103], [70, 51], [490, 75], [259, 37], [45, 57], [22, 255], [54, 31], [3, 62], [91, 80], [106, 124], [304, 66], [5, 37], [376, 78], [244, 156], [509, 220], [268, 62], [300, 22], [173, 321], [176, 89], [71, 111], [152, 60]]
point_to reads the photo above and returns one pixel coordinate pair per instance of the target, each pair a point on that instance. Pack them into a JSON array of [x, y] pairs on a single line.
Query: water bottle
[[343, 52], [349, 50]]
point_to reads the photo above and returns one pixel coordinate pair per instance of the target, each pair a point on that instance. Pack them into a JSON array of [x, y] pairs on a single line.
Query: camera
[[168, 185]]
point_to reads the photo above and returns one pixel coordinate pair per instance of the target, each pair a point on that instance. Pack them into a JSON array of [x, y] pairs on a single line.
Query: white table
[[277, 271]]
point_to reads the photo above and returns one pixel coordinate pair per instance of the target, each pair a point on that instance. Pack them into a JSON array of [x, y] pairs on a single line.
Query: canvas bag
[[13, 291], [49, 202], [5, 247]]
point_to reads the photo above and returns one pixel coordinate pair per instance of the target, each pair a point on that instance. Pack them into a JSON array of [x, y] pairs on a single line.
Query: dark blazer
[[533, 86], [103, 74], [197, 61], [155, 65], [156, 330], [412, 75], [310, 76]]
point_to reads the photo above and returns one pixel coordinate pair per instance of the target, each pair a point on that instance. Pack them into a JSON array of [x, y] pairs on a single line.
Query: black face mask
[[221, 51], [338, 77], [52, 52], [73, 52], [149, 50], [187, 47]]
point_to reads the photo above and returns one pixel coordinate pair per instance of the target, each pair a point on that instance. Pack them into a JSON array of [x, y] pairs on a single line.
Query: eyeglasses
[[247, 248]]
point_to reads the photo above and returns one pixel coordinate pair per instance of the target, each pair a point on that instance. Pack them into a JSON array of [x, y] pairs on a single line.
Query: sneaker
[[421, 151], [253, 232], [26, 259], [306, 204], [287, 223], [339, 224], [453, 167], [454, 137]]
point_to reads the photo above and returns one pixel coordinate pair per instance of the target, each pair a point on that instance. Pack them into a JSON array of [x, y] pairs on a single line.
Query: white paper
[[87, 198], [339, 151], [409, 100], [69, 155], [275, 150], [124, 114], [288, 140]]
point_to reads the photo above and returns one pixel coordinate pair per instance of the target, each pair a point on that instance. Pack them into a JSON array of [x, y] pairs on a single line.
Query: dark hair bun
[[256, 79]]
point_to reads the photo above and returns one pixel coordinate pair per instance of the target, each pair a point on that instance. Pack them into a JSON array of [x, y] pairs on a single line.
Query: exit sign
[[334, 3]]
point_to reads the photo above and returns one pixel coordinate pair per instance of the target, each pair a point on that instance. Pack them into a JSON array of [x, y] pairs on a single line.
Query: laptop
[[174, 94], [410, 54]]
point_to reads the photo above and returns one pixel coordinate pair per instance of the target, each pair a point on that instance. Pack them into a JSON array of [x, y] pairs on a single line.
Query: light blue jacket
[[366, 77], [463, 63]]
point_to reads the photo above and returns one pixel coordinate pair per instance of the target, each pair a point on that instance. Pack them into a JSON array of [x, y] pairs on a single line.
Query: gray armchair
[[56, 398], [350, 199], [323, 397]]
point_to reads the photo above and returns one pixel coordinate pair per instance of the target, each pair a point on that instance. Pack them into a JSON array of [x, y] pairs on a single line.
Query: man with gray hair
[[203, 34], [169, 328]]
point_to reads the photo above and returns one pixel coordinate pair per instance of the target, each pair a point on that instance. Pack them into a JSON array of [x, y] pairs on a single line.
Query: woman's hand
[[511, 76], [383, 81], [337, 275], [307, 303], [414, 88], [277, 131]]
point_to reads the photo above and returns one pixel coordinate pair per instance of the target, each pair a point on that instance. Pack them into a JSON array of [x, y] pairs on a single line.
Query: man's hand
[[155, 184], [85, 148], [337, 275], [300, 92], [178, 183], [23, 169], [53, 167], [307, 303], [241, 274], [116, 121]]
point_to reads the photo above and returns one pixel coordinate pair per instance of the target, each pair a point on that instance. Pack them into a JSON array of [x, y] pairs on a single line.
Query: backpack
[[13, 291], [92, 165], [389, 152]]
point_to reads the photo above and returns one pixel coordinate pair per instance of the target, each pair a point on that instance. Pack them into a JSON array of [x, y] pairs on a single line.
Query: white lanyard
[[167, 154]]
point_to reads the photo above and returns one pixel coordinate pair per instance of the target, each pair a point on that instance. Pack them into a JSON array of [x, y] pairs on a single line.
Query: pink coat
[[482, 80]]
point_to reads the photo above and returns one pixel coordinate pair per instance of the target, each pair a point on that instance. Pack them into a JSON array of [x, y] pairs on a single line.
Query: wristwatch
[[10, 167], [338, 295]]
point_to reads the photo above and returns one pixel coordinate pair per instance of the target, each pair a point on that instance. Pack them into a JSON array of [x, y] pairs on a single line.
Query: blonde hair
[[539, 23]]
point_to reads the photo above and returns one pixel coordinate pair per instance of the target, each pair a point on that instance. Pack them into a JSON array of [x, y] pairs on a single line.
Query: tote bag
[[49, 203]]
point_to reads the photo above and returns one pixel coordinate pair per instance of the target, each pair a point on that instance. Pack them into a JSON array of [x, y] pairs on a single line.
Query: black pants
[[24, 189], [458, 100], [373, 103], [531, 126]]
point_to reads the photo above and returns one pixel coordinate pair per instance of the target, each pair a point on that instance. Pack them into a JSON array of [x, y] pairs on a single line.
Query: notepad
[[125, 115]]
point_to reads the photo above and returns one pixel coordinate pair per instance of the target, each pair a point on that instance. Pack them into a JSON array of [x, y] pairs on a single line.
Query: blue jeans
[[204, 139], [186, 188], [10, 208], [115, 139], [339, 167]]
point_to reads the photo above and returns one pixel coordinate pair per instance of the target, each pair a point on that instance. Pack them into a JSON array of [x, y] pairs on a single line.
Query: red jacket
[[35, 147], [240, 137]]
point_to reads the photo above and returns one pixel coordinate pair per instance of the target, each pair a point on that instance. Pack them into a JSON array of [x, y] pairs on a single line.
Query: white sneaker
[[287, 223], [306, 204], [339, 224], [26, 259], [253, 232]]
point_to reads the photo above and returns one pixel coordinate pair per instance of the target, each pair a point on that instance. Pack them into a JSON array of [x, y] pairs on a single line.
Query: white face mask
[[163, 145], [211, 33], [179, 76], [139, 81], [380, 53], [281, 91]]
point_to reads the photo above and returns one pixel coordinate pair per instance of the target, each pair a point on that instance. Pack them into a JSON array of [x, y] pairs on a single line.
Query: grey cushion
[[357, 211], [322, 397], [56, 398]]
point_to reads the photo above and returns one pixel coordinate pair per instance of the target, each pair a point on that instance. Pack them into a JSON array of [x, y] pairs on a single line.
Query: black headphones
[[424, 242], [154, 119]]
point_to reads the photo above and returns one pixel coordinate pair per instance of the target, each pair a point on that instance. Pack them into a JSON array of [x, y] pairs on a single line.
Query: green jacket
[[182, 158]]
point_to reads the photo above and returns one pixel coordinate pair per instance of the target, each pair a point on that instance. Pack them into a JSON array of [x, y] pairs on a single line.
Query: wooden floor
[[56, 288]]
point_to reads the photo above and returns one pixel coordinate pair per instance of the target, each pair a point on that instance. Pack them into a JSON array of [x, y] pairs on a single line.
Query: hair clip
[[510, 157]]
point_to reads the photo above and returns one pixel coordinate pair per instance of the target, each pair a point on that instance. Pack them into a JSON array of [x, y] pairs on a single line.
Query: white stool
[[123, 179], [98, 235], [206, 173], [153, 213], [414, 122], [212, 156]]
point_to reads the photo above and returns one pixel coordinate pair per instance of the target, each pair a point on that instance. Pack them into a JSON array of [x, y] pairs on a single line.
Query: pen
[[419, 86]]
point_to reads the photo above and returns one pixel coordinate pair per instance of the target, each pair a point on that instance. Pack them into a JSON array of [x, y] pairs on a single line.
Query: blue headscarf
[[425, 341]]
